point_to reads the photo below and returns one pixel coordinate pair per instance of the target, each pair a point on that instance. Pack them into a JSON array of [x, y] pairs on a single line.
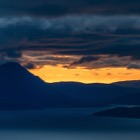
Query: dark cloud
[[13, 54], [134, 66], [29, 66], [86, 59], [107, 61], [68, 7], [120, 50]]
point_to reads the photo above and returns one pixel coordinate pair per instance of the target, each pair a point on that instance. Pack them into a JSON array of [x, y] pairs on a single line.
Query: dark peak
[[132, 83], [128, 81], [13, 68], [10, 64]]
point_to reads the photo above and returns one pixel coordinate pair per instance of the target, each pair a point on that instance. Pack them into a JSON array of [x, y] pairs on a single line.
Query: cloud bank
[[87, 33]]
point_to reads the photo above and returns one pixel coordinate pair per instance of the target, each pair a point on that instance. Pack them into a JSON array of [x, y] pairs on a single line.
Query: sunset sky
[[72, 40]]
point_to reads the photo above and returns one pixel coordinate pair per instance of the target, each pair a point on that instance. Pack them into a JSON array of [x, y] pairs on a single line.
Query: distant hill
[[127, 99], [95, 94], [121, 112], [133, 84]]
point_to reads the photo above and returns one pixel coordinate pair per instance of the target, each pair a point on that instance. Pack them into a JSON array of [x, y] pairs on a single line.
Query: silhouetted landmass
[[133, 83], [122, 112], [129, 99], [19, 89], [97, 94]]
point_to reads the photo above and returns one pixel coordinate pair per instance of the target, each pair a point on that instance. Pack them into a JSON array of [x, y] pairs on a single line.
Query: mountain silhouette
[[96, 94], [133, 83], [127, 99], [19, 89]]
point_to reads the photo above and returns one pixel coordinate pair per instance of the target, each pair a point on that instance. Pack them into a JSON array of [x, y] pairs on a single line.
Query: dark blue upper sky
[[50, 8]]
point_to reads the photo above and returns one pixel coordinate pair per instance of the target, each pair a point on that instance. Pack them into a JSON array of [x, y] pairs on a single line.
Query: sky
[[72, 40]]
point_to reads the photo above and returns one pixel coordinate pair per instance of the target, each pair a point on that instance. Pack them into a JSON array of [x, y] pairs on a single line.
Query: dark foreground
[[65, 124]]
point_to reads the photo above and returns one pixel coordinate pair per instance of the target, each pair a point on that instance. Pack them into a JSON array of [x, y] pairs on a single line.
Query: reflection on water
[[65, 124]]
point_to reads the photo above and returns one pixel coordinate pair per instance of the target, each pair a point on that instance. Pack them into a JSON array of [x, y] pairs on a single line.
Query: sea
[[66, 124]]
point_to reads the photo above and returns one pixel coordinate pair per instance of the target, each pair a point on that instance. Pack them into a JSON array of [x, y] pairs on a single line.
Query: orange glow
[[104, 75]]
